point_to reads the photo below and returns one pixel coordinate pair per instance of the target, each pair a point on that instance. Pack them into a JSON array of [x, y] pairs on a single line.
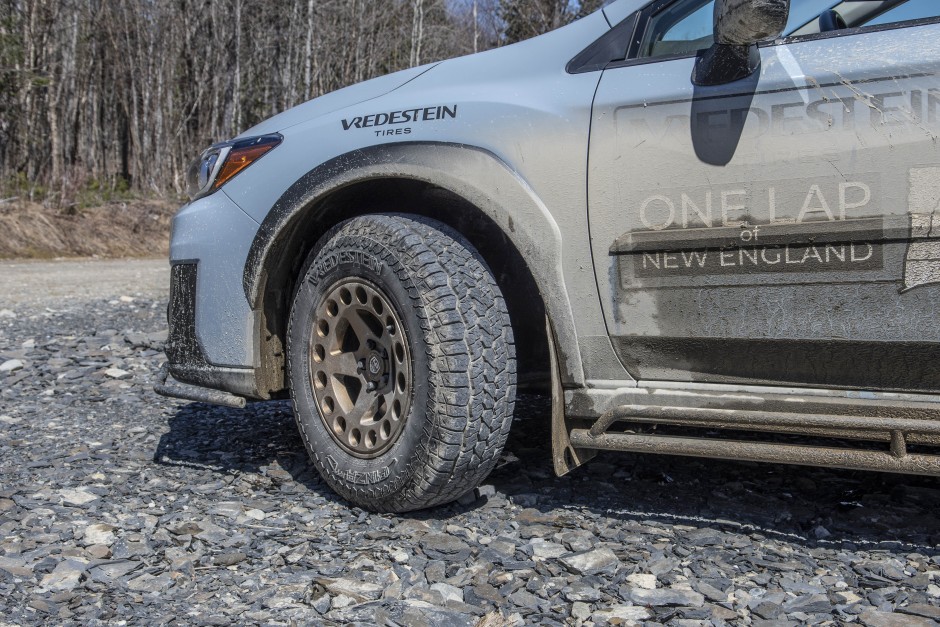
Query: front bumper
[[213, 335], [187, 358]]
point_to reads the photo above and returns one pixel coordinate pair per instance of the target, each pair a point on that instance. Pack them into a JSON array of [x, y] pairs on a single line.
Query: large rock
[[98, 534], [592, 562], [622, 614], [417, 613], [667, 597], [580, 591], [448, 592], [109, 572], [150, 584], [117, 373], [230, 559], [445, 547], [809, 604], [358, 590], [15, 565], [640, 580], [921, 609], [77, 497], [11, 365], [66, 576], [544, 549], [874, 618]]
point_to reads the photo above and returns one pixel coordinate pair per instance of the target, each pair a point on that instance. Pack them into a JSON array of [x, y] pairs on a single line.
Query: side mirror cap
[[746, 22], [739, 26]]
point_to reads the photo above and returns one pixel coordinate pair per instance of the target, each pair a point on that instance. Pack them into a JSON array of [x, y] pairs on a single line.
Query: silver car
[[707, 227]]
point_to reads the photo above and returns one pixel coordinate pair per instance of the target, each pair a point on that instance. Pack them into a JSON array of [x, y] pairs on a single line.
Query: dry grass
[[139, 228]]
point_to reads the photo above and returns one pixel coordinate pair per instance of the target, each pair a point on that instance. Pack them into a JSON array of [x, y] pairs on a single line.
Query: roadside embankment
[[137, 228]]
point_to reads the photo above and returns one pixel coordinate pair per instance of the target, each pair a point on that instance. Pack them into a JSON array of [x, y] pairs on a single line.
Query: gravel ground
[[117, 506]]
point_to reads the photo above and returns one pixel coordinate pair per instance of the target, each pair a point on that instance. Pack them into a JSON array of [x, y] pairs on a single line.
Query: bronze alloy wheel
[[360, 368]]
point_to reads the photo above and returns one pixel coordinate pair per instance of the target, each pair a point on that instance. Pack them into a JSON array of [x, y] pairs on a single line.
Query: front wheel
[[401, 363]]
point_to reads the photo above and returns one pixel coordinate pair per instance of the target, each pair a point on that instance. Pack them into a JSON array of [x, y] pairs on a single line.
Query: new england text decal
[[397, 119], [807, 226], [714, 230], [786, 258]]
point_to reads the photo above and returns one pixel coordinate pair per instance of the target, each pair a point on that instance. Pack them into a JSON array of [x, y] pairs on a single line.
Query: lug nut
[[370, 387], [360, 365]]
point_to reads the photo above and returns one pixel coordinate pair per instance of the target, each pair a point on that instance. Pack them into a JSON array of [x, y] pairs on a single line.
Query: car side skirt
[[853, 429]]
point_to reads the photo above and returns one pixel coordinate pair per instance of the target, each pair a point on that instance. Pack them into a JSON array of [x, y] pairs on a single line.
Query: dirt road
[[118, 506], [49, 283]]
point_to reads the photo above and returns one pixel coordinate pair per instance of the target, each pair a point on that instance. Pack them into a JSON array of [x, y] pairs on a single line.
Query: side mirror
[[739, 26]]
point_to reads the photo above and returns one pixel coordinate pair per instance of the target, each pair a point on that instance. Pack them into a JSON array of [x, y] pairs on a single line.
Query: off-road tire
[[462, 361]]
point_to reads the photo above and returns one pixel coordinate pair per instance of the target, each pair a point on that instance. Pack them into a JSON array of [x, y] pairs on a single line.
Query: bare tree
[[117, 94]]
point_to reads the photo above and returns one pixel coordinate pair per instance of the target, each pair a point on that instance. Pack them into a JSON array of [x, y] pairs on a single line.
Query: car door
[[776, 230]]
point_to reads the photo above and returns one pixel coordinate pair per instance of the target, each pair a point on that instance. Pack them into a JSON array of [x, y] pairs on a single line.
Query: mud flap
[[566, 457]]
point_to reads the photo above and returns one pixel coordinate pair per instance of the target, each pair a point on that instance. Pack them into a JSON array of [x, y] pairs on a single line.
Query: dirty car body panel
[[732, 254], [774, 230]]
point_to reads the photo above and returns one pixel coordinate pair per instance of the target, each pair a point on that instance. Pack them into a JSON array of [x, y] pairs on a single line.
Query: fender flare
[[476, 175]]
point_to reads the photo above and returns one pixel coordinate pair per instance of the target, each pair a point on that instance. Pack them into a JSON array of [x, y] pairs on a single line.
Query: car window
[[866, 13], [687, 26], [910, 10], [683, 27]]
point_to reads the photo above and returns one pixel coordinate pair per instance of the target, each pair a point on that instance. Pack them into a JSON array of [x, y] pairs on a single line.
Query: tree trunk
[[417, 32]]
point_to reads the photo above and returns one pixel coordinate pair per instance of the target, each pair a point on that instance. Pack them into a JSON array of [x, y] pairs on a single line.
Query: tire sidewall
[[345, 257]]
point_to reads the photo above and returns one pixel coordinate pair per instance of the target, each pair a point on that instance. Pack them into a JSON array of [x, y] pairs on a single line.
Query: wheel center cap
[[375, 366]]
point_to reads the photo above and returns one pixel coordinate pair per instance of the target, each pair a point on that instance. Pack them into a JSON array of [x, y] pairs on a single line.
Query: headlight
[[222, 162]]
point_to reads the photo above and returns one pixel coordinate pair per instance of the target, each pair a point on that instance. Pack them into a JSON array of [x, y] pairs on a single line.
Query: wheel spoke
[[364, 409], [359, 326], [343, 364]]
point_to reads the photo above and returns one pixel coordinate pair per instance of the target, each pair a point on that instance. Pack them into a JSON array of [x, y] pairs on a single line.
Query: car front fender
[[476, 175]]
